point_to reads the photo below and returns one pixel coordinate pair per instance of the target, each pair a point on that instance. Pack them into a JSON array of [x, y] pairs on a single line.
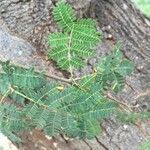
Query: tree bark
[[118, 20], [127, 25]]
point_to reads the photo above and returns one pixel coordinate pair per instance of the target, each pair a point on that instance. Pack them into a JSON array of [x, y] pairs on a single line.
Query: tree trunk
[[126, 24], [118, 20]]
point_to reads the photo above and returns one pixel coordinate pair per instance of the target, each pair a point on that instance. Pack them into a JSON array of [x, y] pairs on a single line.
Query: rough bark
[[122, 22], [118, 20]]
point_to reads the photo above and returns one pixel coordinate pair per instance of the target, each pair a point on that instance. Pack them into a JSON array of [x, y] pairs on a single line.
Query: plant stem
[[69, 81], [28, 98], [121, 103]]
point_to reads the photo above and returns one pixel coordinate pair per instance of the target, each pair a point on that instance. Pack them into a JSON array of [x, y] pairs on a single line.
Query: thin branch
[[130, 86], [69, 81], [28, 98], [56, 78], [146, 93], [121, 103], [50, 76]]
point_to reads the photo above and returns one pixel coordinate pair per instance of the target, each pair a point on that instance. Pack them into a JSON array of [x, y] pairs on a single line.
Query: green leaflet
[[76, 41], [64, 15], [4, 83], [125, 68]]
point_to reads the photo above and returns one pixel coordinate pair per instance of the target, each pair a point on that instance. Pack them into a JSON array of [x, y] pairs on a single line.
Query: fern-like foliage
[[78, 109], [73, 111], [110, 72], [75, 41]]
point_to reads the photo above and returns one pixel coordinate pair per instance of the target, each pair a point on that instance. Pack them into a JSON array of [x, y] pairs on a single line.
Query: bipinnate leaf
[[76, 40]]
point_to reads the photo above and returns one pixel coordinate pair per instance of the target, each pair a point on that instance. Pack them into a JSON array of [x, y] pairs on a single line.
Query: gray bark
[[25, 25]]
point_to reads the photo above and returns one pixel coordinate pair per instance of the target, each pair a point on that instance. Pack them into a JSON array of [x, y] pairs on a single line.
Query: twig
[[130, 86], [69, 81], [147, 92], [121, 103], [28, 98]]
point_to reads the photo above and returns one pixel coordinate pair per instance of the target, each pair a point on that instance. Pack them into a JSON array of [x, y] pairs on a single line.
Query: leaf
[[103, 111], [125, 68], [20, 77], [58, 40], [18, 99], [11, 136], [75, 43], [75, 110], [70, 126], [118, 83], [64, 15], [54, 124], [89, 129], [112, 70]]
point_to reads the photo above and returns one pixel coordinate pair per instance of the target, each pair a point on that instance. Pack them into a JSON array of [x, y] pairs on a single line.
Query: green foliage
[[79, 108], [110, 72], [75, 41], [112, 69], [74, 112], [145, 145], [133, 117], [11, 121], [144, 6]]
